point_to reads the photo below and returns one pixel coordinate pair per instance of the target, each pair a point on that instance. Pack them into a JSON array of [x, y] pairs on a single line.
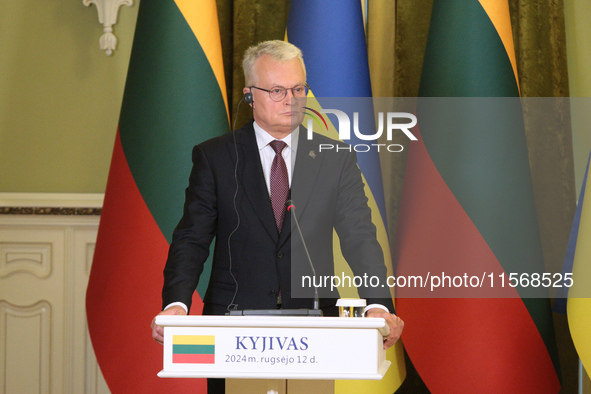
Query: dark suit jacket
[[252, 261]]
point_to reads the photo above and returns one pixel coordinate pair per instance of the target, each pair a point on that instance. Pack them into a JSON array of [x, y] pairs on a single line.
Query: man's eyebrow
[[277, 85]]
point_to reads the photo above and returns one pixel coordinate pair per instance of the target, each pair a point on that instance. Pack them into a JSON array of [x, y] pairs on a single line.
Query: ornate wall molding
[[108, 11], [30, 257], [51, 204]]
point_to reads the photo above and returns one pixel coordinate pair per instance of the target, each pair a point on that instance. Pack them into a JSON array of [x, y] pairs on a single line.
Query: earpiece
[[248, 98]]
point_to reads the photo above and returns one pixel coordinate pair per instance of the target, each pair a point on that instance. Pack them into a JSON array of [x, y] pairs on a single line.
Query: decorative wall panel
[[45, 260], [33, 258], [25, 359]]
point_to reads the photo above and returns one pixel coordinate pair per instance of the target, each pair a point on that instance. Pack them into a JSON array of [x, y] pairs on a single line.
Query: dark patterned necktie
[[279, 183]]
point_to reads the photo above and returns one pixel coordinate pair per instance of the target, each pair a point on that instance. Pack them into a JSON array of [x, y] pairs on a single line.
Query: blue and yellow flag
[[331, 36], [578, 307]]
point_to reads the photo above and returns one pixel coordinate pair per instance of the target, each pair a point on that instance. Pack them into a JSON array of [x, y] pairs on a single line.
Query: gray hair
[[277, 49]]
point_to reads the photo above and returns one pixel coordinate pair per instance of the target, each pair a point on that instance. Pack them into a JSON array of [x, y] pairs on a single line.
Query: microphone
[[291, 208]]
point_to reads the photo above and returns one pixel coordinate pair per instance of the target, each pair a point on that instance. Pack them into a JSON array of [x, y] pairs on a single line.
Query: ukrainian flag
[[579, 303], [331, 35]]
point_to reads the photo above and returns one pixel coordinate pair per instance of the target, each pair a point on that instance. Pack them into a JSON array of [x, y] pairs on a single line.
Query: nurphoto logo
[[394, 122]]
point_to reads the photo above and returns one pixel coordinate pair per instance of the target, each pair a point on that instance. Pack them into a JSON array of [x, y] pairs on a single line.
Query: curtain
[[244, 23]]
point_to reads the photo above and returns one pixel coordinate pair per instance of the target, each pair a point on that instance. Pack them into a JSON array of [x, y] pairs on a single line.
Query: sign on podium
[[269, 347]]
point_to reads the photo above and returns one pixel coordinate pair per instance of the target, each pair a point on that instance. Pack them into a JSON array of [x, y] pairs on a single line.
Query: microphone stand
[[315, 311], [290, 205]]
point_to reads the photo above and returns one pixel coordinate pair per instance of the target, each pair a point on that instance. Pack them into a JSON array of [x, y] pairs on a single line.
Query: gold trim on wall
[[51, 203]]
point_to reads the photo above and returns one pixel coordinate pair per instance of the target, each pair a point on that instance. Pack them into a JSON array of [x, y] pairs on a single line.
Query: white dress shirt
[[267, 153]]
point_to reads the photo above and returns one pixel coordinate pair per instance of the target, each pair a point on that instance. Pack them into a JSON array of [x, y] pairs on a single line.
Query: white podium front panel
[[273, 347]]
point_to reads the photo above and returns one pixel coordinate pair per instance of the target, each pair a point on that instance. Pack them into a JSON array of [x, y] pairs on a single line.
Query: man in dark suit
[[233, 194]]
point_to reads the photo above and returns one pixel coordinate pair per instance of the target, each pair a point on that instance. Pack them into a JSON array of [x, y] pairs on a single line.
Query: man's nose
[[288, 95]]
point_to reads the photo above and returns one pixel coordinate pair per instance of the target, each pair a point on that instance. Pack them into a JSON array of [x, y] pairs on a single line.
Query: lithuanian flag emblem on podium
[[193, 349]]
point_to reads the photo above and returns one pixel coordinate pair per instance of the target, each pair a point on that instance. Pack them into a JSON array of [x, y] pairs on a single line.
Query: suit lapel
[[250, 175], [307, 167]]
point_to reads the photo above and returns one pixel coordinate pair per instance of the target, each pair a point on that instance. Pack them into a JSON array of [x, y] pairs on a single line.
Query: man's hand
[[394, 322], [157, 331]]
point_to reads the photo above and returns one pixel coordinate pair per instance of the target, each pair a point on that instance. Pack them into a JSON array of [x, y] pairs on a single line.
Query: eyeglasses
[[278, 93]]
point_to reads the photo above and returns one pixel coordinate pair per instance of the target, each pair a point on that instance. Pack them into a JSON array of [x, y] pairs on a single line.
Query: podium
[[269, 347]]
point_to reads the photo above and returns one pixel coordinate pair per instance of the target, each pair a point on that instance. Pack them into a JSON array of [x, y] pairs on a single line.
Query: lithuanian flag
[[468, 202], [193, 349], [174, 98]]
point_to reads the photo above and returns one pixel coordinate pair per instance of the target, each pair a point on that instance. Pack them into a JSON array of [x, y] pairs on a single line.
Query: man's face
[[275, 117]]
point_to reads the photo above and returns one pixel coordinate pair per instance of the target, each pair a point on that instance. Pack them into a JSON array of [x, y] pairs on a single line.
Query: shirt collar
[[263, 138]]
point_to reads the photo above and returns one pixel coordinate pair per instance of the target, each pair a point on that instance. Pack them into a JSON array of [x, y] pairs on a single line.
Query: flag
[[560, 302], [467, 204], [193, 349], [578, 305], [331, 36], [174, 98]]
